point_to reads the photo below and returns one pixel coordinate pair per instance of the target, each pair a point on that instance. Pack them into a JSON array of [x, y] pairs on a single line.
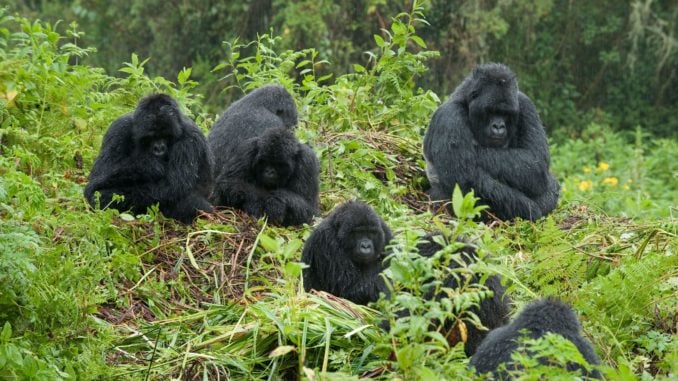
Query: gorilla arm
[[234, 186], [523, 165], [118, 170], [300, 197]]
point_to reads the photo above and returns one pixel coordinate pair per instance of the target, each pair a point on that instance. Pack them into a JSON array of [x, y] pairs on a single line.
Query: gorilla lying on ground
[[267, 107], [272, 174], [488, 137], [153, 155], [538, 318], [345, 255]]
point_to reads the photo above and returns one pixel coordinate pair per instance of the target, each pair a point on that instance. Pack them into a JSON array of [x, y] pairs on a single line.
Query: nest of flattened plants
[[405, 156], [189, 267]]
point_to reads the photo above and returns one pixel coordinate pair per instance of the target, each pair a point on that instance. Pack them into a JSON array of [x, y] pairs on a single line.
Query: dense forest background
[[600, 60]]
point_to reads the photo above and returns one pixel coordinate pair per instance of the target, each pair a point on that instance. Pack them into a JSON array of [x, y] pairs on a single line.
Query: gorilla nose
[[366, 247], [499, 129]]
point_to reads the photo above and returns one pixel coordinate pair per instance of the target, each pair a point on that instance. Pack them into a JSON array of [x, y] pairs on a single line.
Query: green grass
[[103, 295]]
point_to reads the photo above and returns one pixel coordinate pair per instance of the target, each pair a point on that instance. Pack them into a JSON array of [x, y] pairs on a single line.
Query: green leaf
[[6, 333], [379, 40], [457, 201], [269, 244]]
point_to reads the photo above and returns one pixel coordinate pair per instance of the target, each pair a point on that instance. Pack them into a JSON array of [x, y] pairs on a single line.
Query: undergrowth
[[107, 295]]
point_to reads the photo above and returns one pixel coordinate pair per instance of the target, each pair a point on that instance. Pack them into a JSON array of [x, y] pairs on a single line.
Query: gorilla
[[537, 319], [493, 312], [488, 137], [266, 107], [345, 257], [345, 253], [272, 174], [153, 155]]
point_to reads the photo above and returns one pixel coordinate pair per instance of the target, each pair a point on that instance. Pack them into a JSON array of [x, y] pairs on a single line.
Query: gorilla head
[[492, 100], [361, 233], [156, 125], [345, 253], [275, 156], [277, 100]]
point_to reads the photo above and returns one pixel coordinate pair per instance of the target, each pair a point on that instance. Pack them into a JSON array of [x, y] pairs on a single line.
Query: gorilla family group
[[487, 138]]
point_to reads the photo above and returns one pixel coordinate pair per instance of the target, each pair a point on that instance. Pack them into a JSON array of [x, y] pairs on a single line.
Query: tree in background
[[602, 60]]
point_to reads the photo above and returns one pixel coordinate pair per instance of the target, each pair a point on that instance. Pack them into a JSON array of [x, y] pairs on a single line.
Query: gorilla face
[[159, 148], [275, 158], [272, 175], [157, 124], [362, 234], [367, 244], [493, 107]]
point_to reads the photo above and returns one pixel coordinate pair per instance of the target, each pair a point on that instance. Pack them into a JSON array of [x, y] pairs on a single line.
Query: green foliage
[[623, 174], [99, 295]]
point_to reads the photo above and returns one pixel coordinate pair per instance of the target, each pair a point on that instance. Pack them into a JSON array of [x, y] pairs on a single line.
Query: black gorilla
[[153, 155], [267, 107], [345, 253], [493, 312], [488, 137], [538, 318], [272, 174]]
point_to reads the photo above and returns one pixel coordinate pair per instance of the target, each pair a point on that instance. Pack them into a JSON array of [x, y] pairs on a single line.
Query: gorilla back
[[488, 137], [538, 318], [153, 155], [266, 107]]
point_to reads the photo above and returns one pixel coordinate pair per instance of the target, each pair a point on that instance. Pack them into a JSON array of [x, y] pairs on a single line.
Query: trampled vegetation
[[99, 295]]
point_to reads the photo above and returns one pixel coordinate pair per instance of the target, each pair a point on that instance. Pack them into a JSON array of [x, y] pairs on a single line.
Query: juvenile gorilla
[[266, 107], [488, 137], [153, 155], [272, 174], [493, 312], [345, 253], [537, 319]]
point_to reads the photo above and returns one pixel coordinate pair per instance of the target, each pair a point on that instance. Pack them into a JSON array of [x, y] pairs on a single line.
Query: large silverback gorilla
[[153, 155], [488, 137]]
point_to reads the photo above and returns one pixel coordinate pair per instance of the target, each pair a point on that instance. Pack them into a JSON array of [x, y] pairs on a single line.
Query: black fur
[[488, 137], [153, 155], [538, 318], [492, 312], [333, 253], [270, 106], [336, 267], [272, 174]]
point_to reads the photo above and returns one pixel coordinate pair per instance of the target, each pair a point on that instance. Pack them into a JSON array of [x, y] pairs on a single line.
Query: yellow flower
[[612, 181], [585, 185], [587, 169], [603, 166]]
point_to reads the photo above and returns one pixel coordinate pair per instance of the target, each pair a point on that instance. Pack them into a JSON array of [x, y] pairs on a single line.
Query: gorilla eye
[[474, 94], [279, 111]]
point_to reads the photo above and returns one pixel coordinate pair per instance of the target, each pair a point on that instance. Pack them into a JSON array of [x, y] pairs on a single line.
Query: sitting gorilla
[[488, 137], [537, 319], [267, 107], [153, 155], [345, 255], [272, 174], [493, 312]]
